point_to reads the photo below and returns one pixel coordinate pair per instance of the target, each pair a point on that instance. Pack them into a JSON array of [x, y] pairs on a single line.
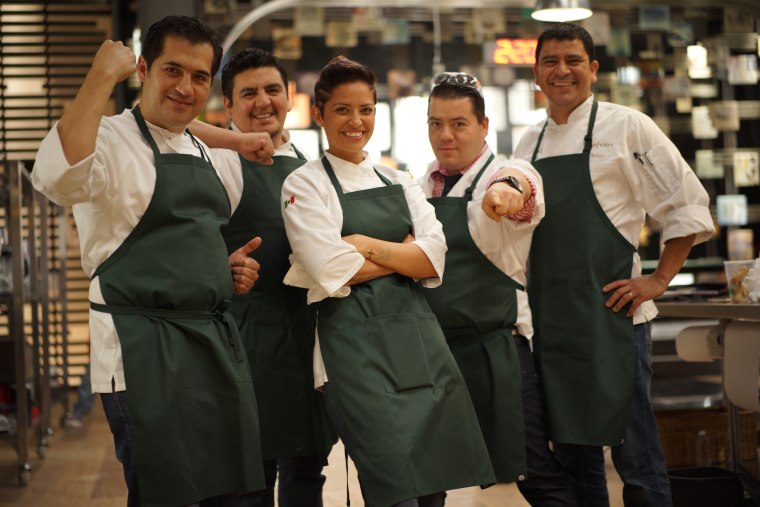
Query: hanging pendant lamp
[[561, 10]]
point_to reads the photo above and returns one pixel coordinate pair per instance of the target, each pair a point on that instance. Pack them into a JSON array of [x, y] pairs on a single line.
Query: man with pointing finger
[[149, 202], [486, 262]]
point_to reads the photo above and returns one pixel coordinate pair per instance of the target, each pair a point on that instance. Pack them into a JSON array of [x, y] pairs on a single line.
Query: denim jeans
[[115, 407], [85, 398], [432, 500], [546, 484], [639, 460], [300, 484]]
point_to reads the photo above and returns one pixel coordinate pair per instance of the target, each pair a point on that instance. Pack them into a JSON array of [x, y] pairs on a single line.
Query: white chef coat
[[321, 261], [109, 191], [505, 243], [668, 190]]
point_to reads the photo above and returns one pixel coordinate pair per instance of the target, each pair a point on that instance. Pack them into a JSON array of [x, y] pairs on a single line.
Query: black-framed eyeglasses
[[458, 79]]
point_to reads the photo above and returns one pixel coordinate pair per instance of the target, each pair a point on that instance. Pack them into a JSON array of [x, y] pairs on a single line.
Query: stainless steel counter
[[708, 310]]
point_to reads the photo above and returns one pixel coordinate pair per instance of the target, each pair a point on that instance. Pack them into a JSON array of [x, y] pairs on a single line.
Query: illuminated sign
[[512, 51]]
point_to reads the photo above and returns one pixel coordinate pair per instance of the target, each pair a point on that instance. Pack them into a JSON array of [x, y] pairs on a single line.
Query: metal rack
[[36, 317]]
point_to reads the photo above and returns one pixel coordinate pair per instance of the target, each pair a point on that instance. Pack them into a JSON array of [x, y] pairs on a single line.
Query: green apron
[[585, 351], [408, 415], [192, 408], [275, 323], [480, 335]]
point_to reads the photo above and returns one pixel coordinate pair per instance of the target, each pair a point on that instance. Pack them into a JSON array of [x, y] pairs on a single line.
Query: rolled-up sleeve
[[66, 184], [428, 231], [534, 209], [313, 226], [669, 190]]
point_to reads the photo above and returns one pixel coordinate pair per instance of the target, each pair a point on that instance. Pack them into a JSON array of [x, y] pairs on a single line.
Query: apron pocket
[[398, 341]]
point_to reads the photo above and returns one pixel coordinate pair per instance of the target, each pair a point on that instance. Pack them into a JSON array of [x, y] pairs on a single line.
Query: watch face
[[514, 183]]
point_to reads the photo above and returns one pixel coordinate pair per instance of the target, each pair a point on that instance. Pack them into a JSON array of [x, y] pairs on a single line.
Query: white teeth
[[262, 116], [563, 83], [353, 134]]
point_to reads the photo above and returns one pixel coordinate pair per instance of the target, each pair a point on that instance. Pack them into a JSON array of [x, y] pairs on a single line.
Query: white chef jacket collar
[[578, 113], [166, 134], [366, 163]]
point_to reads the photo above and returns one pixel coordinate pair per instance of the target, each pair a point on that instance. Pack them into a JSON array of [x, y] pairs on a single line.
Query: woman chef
[[362, 235]]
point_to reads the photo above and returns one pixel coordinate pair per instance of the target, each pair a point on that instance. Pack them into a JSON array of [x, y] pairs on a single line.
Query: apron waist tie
[[469, 335], [219, 313], [212, 313]]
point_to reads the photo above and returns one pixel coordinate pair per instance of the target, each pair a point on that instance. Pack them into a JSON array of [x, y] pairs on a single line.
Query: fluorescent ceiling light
[[561, 10]]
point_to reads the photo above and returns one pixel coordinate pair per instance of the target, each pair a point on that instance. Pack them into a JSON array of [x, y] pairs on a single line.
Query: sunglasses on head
[[457, 79]]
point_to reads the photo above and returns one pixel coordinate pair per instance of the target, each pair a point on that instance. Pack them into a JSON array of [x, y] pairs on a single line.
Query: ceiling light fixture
[[561, 10]]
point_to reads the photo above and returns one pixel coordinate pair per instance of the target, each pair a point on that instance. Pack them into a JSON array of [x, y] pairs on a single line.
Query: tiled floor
[[80, 470]]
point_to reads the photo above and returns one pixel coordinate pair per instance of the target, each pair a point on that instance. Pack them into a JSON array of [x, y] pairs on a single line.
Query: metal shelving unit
[[35, 323]]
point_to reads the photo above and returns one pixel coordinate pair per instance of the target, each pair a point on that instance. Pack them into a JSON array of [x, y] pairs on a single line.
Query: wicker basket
[[679, 432]]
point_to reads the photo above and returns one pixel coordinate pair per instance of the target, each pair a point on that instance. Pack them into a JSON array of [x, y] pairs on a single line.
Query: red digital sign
[[514, 51]]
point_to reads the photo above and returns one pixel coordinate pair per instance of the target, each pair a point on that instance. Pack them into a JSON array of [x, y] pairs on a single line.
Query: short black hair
[[453, 91], [568, 32], [250, 58], [340, 70], [190, 29]]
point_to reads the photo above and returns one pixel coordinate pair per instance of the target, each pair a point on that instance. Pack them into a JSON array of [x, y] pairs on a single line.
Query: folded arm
[[405, 258]]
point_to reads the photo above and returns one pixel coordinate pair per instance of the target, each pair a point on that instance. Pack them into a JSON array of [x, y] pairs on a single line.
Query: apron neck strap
[[144, 130], [334, 179], [471, 188], [586, 139], [538, 143], [205, 156], [591, 120], [299, 155], [152, 142]]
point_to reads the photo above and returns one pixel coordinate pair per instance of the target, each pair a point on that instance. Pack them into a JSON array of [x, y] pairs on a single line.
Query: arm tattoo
[[383, 254]]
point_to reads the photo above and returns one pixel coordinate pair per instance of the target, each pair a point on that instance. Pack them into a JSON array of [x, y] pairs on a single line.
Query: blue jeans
[[85, 398], [546, 484], [639, 460], [300, 483], [432, 500], [115, 407]]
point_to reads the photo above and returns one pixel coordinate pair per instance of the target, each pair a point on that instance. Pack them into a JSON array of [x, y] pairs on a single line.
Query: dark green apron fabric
[[584, 351], [476, 305], [192, 408], [275, 323], [408, 414]]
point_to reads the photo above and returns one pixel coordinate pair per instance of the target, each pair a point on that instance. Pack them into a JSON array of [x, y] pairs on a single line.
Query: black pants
[[300, 484], [546, 484]]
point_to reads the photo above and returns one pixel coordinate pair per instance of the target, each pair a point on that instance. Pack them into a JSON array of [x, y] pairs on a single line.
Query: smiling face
[[565, 75], [177, 84], [455, 133], [259, 102], [348, 118]]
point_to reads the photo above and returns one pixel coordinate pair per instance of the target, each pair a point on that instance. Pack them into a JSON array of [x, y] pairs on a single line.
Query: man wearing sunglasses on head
[[486, 262]]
